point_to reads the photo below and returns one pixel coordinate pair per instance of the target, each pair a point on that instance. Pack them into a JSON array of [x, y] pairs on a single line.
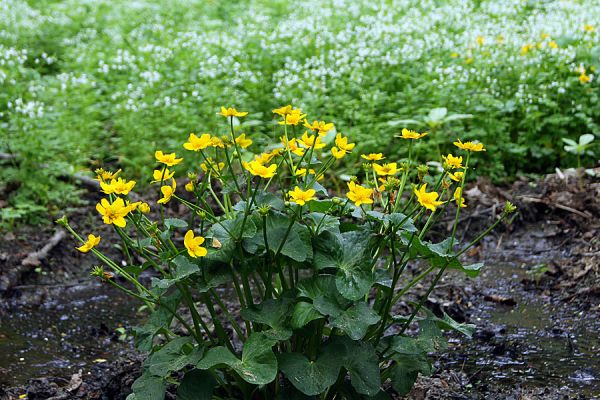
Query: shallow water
[[66, 333], [540, 342]]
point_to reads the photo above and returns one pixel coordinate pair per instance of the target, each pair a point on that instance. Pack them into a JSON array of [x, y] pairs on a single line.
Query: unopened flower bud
[[422, 170], [509, 207], [201, 214], [192, 176], [264, 210], [63, 221]]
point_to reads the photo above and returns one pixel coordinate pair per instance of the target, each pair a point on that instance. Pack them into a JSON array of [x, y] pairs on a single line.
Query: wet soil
[[536, 307]]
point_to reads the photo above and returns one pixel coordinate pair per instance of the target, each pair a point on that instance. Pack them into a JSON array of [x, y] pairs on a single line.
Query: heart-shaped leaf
[[274, 313], [258, 364], [196, 385], [312, 377]]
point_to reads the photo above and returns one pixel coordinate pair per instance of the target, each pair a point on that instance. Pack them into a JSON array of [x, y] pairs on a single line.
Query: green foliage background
[[90, 83]]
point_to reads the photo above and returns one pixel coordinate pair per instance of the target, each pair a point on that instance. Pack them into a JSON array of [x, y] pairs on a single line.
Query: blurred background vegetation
[[104, 83]]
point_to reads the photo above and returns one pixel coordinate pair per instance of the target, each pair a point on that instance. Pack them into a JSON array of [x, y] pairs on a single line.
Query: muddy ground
[[536, 306]]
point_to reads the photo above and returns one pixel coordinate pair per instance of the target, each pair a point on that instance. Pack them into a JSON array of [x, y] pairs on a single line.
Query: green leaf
[[586, 139], [361, 361], [173, 356], [347, 253], [437, 254], [148, 387], [257, 366], [196, 385], [274, 313], [312, 377], [315, 286], [321, 206], [410, 358], [323, 222], [184, 269], [449, 324], [404, 378], [171, 223], [437, 114], [355, 321], [431, 338], [227, 232], [161, 318], [405, 122], [296, 246], [262, 199], [303, 314]]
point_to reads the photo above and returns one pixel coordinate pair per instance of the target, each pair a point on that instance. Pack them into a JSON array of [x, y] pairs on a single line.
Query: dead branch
[[35, 258]]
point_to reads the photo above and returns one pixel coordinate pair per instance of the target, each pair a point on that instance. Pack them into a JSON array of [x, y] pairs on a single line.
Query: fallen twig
[[35, 258], [557, 205]]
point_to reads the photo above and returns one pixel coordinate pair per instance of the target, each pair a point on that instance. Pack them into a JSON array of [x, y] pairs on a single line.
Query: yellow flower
[[451, 162], [257, 169], [113, 213], [215, 167], [337, 153], [500, 39], [589, 28], [310, 141], [196, 143], [460, 201], [457, 176], [469, 146], [342, 143], [373, 156], [144, 208], [292, 145], [167, 159], [189, 187], [386, 169], [454, 54], [302, 172], [102, 175], [283, 111], [158, 176], [359, 194], [321, 127], [132, 206], [192, 244], [584, 78], [552, 44], [167, 192], [480, 40], [232, 112], [118, 186], [301, 197], [217, 142], [242, 141], [525, 49], [408, 134], [90, 243], [293, 118], [427, 200]]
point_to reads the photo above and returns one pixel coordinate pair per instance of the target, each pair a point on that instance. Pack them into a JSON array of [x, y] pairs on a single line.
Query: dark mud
[[535, 305]]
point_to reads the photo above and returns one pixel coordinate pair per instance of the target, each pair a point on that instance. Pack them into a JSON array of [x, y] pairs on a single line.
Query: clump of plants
[[314, 278]]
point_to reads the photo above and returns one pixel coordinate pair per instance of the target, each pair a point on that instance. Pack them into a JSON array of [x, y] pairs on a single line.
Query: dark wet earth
[[525, 337], [73, 329]]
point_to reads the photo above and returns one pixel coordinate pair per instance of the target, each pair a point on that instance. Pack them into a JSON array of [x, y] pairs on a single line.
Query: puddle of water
[[537, 343], [64, 334]]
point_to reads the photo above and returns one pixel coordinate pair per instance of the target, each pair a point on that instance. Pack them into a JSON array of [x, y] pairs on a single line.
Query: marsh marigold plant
[[314, 275]]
